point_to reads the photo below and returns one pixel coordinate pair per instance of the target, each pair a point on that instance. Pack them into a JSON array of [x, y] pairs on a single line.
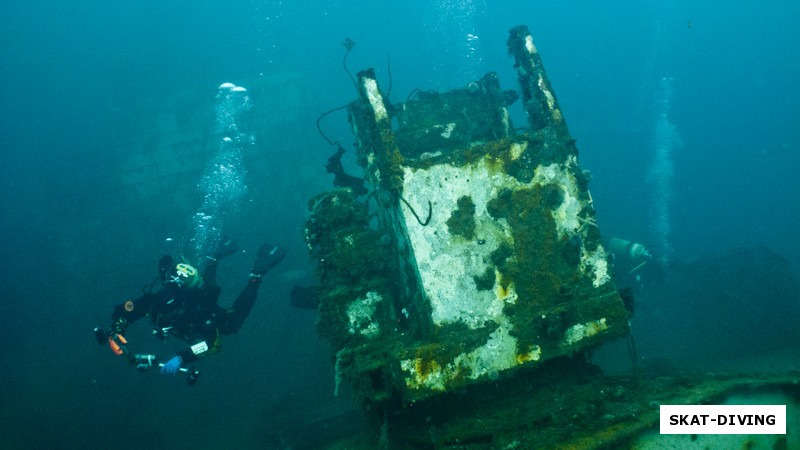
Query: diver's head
[[186, 275], [629, 250]]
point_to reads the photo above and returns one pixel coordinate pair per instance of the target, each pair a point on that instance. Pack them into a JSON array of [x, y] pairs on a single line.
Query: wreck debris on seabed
[[461, 292]]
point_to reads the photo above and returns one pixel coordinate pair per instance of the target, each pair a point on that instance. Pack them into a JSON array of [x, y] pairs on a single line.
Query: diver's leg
[[210, 272], [234, 318], [268, 257]]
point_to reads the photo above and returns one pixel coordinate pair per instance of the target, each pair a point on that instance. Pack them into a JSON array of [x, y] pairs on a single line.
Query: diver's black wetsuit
[[189, 313]]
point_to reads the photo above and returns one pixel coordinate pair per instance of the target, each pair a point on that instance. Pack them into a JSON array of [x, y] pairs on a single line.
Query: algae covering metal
[[475, 251]]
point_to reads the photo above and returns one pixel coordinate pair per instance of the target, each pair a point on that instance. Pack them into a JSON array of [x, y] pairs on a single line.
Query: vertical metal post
[[538, 97], [380, 157]]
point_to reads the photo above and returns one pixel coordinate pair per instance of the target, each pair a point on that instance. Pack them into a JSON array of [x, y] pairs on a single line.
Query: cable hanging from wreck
[[416, 216], [322, 116], [348, 44]]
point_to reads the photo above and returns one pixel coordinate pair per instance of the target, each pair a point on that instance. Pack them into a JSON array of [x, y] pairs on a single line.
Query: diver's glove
[[172, 366]]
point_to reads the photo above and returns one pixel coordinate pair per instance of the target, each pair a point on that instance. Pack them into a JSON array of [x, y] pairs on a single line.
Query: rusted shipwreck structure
[[456, 289], [475, 250]]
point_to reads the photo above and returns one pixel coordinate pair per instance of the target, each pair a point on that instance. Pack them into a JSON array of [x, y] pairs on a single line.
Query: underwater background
[[686, 113]]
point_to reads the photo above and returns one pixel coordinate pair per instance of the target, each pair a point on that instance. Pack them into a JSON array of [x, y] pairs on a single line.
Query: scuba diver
[[186, 305], [634, 265]]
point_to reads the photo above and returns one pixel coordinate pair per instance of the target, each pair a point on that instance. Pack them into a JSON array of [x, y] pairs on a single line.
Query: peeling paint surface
[[486, 361], [375, 99], [578, 332], [447, 263]]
